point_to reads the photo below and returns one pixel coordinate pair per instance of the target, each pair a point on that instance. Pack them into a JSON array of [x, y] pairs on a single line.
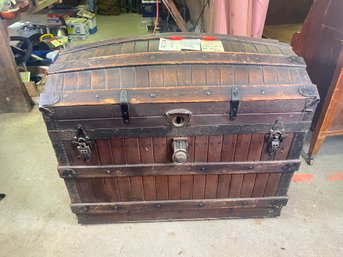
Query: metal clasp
[[124, 106], [82, 142], [275, 137], [234, 103]]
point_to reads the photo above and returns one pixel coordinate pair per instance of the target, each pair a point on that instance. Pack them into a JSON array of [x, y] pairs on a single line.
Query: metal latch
[[124, 106], [82, 142], [234, 103], [275, 137]]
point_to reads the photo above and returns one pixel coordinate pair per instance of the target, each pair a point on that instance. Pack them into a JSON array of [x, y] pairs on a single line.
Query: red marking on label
[[338, 176], [177, 38], [302, 178], [209, 38]]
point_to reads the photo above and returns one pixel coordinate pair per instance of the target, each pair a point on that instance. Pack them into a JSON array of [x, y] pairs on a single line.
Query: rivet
[[152, 95], [96, 96], [202, 168], [263, 92], [208, 93], [158, 205], [108, 171], [201, 204]]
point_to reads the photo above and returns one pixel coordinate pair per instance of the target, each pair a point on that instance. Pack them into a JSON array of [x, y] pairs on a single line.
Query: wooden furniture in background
[[320, 44]]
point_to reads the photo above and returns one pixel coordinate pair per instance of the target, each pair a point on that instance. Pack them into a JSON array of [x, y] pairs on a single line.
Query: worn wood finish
[[179, 210], [320, 44], [130, 174]]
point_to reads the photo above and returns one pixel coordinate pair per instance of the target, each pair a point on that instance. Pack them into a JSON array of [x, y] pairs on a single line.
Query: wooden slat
[[99, 190], [124, 189], [132, 150], [142, 77], [241, 75], [228, 148], [235, 185], [105, 151], [198, 75], [223, 186], [156, 76], [284, 75], [211, 186], [242, 147], [137, 188], [160, 149], [170, 75], [84, 81], [212, 75], [118, 151], [200, 148], [146, 150], [162, 187], [149, 188], [70, 81], [186, 184], [86, 190], [199, 186], [255, 148], [174, 187], [184, 75], [214, 148], [269, 75], [127, 75], [226, 75], [260, 184], [255, 75], [247, 185], [98, 79], [272, 184], [112, 189]]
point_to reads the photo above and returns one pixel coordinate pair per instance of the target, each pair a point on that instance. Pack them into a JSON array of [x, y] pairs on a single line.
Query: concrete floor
[[36, 219]]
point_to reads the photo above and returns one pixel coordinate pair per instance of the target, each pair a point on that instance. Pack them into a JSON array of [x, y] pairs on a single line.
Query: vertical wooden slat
[[223, 186], [241, 75], [249, 47], [156, 76], [284, 75], [124, 188], [199, 75], [272, 184], [153, 45], [128, 47], [86, 190], [214, 148], [137, 188], [160, 149], [104, 150], [265, 156], [212, 75], [186, 182], [184, 75], [274, 49], [127, 77], [162, 187], [174, 187], [235, 185], [113, 78], [98, 79], [200, 149], [149, 188], [263, 49], [282, 152], [211, 186], [269, 75], [190, 149], [255, 75], [228, 148], [141, 46], [132, 150], [169, 149], [226, 75], [255, 149], [99, 190], [142, 77], [112, 189], [118, 151], [242, 147], [170, 75], [199, 186], [84, 80], [70, 81], [295, 76], [247, 185], [260, 184], [146, 150]]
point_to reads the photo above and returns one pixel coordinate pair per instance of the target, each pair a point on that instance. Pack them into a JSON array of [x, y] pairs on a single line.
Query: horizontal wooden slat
[[56, 135], [185, 169], [165, 58], [175, 205]]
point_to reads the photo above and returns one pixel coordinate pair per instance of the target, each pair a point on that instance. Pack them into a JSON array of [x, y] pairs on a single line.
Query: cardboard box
[[78, 37], [91, 20], [77, 26]]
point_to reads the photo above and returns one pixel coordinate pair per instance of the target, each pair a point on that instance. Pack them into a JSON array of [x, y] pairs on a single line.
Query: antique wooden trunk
[[142, 134]]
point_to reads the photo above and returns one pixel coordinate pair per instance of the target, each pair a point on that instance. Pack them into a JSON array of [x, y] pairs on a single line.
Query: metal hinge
[[82, 142], [275, 137], [234, 103], [124, 106]]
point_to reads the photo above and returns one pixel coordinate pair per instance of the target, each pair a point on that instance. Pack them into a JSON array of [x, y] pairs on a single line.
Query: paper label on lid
[[190, 44], [212, 46], [169, 45]]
